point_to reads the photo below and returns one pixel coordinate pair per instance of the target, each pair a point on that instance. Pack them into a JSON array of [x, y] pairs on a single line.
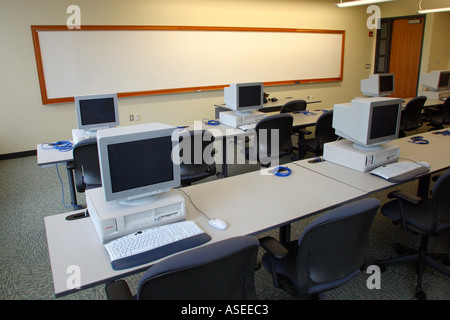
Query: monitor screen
[[96, 112], [383, 122], [126, 162], [244, 97], [386, 84], [249, 96], [368, 122], [138, 161], [444, 79]]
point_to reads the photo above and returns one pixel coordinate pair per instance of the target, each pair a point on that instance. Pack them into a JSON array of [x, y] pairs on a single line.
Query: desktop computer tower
[[234, 120], [435, 95], [343, 152], [113, 220]]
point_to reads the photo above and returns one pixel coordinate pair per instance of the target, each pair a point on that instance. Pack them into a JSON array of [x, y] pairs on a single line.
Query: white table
[[269, 106], [436, 153], [250, 204], [224, 135], [48, 157]]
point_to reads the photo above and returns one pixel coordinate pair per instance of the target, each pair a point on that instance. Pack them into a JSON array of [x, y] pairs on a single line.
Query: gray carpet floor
[[29, 193]]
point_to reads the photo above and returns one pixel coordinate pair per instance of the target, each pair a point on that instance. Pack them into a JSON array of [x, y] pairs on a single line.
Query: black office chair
[[197, 156], [331, 250], [294, 105], [324, 132], [219, 271], [438, 116], [86, 165], [411, 118], [423, 216], [278, 126]]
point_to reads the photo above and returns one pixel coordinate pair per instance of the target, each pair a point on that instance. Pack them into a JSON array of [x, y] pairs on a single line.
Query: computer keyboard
[[246, 127], [399, 171], [154, 243]]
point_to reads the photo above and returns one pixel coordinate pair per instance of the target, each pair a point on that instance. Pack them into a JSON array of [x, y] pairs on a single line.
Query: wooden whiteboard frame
[[45, 76]]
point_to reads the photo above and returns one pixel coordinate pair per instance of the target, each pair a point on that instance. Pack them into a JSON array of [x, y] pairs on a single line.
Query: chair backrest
[[86, 165], [440, 200], [278, 126], [335, 247], [412, 114], [218, 271], [196, 155], [324, 131], [294, 105]]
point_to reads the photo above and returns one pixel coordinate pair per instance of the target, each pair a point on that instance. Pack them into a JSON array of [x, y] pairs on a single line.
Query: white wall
[[25, 122]]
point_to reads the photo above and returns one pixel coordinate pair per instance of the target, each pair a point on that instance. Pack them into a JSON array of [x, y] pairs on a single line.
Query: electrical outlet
[[137, 116], [131, 117]]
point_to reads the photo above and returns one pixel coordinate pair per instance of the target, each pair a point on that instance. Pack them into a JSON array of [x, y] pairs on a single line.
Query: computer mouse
[[424, 164], [218, 224]]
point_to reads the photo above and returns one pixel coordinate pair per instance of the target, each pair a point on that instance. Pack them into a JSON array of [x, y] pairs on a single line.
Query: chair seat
[[417, 220], [310, 145], [287, 267], [195, 172], [438, 120]]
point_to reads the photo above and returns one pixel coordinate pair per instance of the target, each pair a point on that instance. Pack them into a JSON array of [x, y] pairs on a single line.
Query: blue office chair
[[438, 117], [411, 118], [86, 165], [294, 105], [332, 249], [324, 132], [423, 216], [277, 127], [219, 271], [197, 156]]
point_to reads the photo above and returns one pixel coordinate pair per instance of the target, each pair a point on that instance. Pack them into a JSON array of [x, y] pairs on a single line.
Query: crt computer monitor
[[244, 97], [138, 162], [436, 80], [378, 85], [97, 111], [368, 122]]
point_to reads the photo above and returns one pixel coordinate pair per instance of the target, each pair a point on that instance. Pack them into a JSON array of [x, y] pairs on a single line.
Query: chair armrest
[[274, 248], [302, 131], [118, 290], [406, 196], [70, 165]]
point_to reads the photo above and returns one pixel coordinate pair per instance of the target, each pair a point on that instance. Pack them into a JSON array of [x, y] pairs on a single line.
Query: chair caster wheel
[[420, 295], [446, 261], [399, 249], [380, 265]]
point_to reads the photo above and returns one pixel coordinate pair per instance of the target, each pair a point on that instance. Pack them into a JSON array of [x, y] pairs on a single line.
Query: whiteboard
[[152, 60]]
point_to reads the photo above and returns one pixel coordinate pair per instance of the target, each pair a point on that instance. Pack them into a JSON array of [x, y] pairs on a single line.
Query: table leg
[[224, 158], [423, 186], [70, 178], [285, 233]]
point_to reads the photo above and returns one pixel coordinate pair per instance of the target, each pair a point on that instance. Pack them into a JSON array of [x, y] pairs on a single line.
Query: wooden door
[[406, 49]]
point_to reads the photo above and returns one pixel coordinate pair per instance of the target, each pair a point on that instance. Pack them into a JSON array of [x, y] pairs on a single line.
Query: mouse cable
[[211, 122], [62, 146], [62, 189], [190, 200]]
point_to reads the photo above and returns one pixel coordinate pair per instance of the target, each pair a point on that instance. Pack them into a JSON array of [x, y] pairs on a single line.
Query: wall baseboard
[[16, 155]]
